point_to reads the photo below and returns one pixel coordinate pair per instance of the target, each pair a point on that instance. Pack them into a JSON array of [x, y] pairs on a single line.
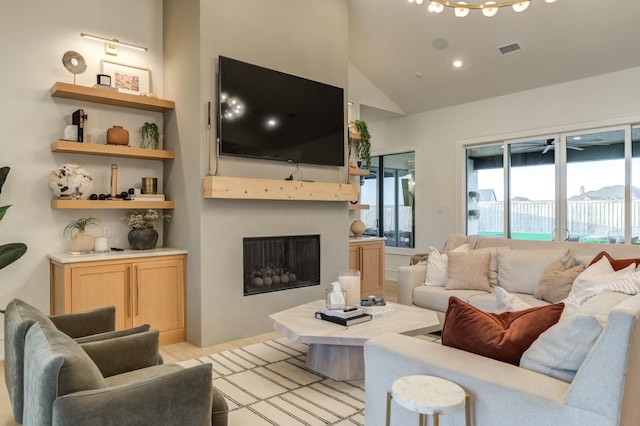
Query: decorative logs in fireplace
[[272, 276]]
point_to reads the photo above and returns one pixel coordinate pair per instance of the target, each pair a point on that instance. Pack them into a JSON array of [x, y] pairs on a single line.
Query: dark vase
[[143, 238]]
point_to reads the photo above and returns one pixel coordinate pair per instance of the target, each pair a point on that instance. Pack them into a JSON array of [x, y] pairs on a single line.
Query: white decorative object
[[349, 280], [70, 182], [336, 298], [101, 245]]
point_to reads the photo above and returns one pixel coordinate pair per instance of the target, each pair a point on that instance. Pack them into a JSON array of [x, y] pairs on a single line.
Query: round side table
[[428, 395]]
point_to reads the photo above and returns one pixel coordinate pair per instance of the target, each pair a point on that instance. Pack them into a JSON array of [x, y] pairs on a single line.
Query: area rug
[[268, 384]]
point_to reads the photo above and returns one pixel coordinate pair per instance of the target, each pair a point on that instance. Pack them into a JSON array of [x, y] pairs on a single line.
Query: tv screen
[[263, 113]]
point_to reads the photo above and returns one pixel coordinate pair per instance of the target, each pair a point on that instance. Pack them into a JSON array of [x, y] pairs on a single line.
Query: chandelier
[[489, 8]]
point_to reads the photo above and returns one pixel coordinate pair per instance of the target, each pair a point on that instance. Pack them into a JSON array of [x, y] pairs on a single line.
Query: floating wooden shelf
[[108, 97], [109, 204], [359, 206], [272, 189], [111, 150], [353, 171]]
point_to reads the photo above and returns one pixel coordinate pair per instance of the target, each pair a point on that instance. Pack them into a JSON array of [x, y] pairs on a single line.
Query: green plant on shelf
[[150, 135], [363, 147]]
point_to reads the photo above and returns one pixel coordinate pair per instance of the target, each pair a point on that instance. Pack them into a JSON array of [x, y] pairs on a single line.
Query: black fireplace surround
[[280, 263]]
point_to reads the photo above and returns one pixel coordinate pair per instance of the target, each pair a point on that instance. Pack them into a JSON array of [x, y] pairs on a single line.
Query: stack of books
[[345, 317], [147, 197], [379, 311]]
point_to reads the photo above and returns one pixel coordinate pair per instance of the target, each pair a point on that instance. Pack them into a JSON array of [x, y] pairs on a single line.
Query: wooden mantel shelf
[[272, 189], [107, 97]]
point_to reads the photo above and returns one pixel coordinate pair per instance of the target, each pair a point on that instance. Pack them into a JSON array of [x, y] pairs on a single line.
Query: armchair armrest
[[80, 324], [123, 354], [410, 277], [169, 394]]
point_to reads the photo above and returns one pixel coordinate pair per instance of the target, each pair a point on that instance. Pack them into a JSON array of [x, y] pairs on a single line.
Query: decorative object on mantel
[[74, 63], [81, 241], [117, 135], [70, 181], [9, 252], [358, 227], [150, 136], [142, 235], [363, 147]]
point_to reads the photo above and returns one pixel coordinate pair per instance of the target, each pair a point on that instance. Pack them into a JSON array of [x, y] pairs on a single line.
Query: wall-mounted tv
[[263, 113]]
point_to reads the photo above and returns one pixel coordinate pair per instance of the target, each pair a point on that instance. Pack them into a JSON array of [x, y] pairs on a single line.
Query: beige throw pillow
[[556, 282], [519, 271], [468, 271]]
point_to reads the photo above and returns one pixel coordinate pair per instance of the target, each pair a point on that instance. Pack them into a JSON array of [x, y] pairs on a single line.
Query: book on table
[[344, 321], [343, 313], [379, 311]]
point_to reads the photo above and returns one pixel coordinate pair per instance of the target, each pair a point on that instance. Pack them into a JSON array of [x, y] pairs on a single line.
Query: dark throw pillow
[[503, 337], [616, 264]]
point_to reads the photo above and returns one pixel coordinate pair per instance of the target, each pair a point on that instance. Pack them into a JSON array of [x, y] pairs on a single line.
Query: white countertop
[[365, 239], [112, 255]]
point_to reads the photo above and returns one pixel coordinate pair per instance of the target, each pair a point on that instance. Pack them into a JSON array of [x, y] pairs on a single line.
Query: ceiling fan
[[551, 144], [548, 144]]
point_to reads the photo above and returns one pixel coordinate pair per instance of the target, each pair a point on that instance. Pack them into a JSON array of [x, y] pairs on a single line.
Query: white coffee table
[[338, 352]]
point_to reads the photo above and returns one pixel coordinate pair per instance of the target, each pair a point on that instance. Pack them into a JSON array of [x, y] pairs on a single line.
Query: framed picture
[[130, 79]]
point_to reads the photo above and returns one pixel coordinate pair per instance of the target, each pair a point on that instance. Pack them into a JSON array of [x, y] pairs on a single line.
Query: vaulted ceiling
[[390, 41]]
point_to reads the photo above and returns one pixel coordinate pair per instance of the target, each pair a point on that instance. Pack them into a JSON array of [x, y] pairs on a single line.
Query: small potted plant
[[363, 147], [142, 235], [81, 241], [150, 136], [474, 214]]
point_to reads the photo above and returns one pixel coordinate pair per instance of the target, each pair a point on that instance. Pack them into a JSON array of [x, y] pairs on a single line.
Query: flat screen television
[[263, 113]]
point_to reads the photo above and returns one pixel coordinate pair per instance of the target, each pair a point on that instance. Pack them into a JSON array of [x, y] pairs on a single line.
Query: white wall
[[307, 39], [35, 36], [580, 103]]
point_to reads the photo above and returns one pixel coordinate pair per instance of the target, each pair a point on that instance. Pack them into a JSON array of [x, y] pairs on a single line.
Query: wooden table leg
[[436, 418], [467, 409]]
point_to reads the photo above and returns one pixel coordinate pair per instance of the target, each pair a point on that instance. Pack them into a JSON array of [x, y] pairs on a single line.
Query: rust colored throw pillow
[[616, 264], [503, 337]]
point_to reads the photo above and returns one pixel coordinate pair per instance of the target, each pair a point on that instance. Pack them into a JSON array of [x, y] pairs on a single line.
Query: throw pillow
[[519, 271], [617, 264], [493, 265], [598, 273], [556, 282], [560, 351], [507, 302], [468, 271], [437, 265], [503, 337]]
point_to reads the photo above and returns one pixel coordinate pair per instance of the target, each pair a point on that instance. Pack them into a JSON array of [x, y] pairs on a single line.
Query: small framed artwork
[[130, 79]]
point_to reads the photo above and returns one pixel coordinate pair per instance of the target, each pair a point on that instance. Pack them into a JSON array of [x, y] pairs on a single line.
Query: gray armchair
[[19, 317], [64, 385]]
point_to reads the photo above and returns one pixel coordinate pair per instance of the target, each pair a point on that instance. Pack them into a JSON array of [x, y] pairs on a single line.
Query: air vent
[[509, 49]]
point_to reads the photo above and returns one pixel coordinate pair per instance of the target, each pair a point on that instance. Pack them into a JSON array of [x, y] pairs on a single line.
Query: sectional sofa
[[589, 373]]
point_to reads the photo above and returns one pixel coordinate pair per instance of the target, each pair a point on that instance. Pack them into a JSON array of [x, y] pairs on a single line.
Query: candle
[[101, 244], [350, 282]]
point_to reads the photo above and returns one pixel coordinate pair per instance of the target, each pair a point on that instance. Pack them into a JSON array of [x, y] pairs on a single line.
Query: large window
[[574, 186], [389, 192]]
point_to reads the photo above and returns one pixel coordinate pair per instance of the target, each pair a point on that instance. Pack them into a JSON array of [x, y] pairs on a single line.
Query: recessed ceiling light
[[440, 44], [419, 75], [457, 63]]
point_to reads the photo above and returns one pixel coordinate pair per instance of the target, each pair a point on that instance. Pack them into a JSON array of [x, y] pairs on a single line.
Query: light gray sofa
[[605, 390]]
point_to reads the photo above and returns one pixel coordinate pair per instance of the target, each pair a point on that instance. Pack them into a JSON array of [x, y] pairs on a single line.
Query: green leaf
[[3, 210], [4, 171], [9, 253]]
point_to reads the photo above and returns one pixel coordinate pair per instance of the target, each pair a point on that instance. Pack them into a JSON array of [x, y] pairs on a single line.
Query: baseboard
[[391, 274]]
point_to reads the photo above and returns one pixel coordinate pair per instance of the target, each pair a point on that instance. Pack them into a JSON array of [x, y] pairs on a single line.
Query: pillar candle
[[101, 244], [351, 284]]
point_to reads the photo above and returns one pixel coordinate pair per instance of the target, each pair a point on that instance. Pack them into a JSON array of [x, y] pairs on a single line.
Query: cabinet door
[[158, 295], [371, 269], [98, 286], [354, 257]]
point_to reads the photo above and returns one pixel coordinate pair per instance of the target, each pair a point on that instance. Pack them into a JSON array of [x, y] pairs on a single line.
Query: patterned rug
[[268, 384]]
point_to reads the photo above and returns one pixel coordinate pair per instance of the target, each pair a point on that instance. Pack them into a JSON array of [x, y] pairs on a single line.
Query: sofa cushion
[[507, 302], [437, 265], [560, 351], [503, 337], [488, 301], [437, 298], [598, 273], [617, 264], [469, 271], [519, 271], [556, 282], [493, 264]]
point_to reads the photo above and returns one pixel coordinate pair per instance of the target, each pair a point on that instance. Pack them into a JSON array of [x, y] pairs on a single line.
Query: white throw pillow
[[600, 272], [507, 302], [560, 351], [438, 264], [519, 271]]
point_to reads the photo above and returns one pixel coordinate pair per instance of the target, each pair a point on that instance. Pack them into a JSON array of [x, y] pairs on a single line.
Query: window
[[574, 186], [389, 192]]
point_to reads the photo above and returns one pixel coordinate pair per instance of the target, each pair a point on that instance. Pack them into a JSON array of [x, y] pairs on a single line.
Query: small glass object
[[336, 300]]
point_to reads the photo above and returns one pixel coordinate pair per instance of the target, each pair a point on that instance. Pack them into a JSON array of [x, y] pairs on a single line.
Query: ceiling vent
[[509, 49]]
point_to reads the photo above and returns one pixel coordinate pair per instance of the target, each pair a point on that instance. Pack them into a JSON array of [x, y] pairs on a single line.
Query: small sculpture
[[70, 181]]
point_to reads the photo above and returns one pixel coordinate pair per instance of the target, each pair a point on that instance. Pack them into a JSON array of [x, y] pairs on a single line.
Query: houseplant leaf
[[3, 210], [4, 171], [11, 252]]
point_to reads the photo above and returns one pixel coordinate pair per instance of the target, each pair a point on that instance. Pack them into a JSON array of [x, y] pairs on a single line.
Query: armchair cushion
[[86, 323], [112, 334]]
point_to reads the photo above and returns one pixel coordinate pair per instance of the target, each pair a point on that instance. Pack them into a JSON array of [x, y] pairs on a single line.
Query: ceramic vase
[[81, 242], [358, 227], [143, 238], [117, 135]]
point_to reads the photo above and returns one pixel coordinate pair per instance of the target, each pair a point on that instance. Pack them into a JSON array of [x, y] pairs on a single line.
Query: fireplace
[[280, 263]]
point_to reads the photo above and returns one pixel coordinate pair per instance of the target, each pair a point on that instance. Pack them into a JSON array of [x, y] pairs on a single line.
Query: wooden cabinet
[[143, 289], [367, 256]]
